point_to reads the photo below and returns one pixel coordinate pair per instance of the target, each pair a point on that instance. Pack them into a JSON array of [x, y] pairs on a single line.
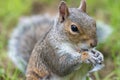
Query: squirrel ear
[[63, 11], [83, 5]]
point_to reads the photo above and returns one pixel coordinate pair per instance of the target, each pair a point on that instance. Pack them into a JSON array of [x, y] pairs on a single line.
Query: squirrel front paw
[[92, 56], [96, 57]]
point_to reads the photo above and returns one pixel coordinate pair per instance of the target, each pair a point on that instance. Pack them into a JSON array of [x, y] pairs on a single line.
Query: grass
[[105, 10]]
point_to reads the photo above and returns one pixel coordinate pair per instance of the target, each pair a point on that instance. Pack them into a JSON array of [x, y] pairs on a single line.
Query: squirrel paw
[[92, 56], [96, 57]]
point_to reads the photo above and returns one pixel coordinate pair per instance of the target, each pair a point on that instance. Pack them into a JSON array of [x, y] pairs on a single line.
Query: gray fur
[[25, 36]]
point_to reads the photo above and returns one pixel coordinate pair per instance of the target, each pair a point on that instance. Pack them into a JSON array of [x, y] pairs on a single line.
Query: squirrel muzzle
[[93, 43]]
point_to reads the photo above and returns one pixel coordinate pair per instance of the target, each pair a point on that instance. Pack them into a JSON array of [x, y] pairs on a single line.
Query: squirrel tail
[[103, 31], [25, 36]]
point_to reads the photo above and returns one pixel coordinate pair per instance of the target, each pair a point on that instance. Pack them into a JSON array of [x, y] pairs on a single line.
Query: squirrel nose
[[93, 43]]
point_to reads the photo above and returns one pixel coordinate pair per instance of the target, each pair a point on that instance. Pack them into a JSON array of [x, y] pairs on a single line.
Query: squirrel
[[60, 49]]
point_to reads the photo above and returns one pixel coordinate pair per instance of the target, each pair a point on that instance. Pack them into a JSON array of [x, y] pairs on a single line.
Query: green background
[[105, 10]]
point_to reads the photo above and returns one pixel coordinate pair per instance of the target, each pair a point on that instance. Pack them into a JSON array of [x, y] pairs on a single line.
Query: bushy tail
[[25, 36], [103, 31]]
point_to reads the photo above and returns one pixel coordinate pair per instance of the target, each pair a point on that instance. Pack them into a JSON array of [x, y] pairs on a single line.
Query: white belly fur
[[79, 74]]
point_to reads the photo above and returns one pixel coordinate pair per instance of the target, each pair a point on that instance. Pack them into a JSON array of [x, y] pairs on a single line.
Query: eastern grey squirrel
[[60, 49]]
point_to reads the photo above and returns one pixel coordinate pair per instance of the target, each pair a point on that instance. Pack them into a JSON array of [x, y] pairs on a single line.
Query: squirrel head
[[78, 27]]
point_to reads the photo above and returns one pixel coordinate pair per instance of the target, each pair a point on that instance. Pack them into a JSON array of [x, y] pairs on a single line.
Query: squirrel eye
[[74, 28]]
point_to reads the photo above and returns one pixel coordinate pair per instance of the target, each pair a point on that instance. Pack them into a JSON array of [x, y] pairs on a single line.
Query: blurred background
[[107, 11]]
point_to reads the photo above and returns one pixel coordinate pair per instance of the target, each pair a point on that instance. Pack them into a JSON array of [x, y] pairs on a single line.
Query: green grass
[[105, 10]]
